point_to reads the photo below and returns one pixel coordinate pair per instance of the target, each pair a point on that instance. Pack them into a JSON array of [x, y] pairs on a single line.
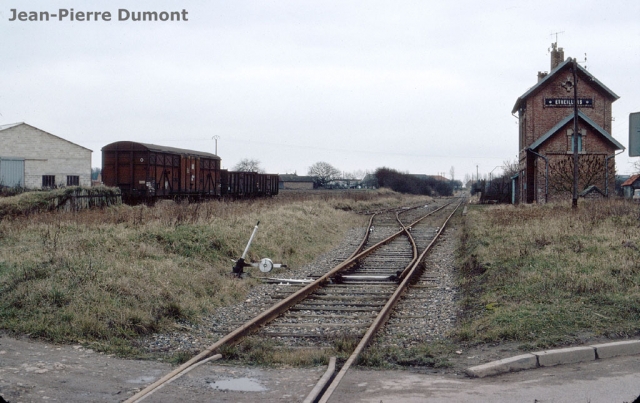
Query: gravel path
[[428, 309]]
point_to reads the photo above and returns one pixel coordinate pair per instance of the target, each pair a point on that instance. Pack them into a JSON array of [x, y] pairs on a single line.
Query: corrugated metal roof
[[552, 73], [566, 120]]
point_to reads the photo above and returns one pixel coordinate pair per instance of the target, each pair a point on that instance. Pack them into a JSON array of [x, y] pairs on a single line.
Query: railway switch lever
[[265, 265]]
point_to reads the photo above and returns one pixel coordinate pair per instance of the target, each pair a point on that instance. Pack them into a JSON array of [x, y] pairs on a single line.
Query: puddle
[[239, 385]]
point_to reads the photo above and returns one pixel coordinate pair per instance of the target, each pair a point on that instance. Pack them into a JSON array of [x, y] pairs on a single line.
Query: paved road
[[606, 381], [36, 372]]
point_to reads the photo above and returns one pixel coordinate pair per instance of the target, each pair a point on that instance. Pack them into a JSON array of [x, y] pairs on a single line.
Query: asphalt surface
[[607, 381], [38, 372]]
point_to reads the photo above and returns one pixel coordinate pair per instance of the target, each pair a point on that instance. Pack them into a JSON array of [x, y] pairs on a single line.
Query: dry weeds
[[551, 275], [114, 274]]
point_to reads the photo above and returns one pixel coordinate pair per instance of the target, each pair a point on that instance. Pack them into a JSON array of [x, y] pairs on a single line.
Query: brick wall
[[540, 119], [537, 119]]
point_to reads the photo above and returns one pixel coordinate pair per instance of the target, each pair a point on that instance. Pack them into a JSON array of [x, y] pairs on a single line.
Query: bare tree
[[498, 190], [590, 172], [510, 168], [323, 173], [452, 172], [248, 165]]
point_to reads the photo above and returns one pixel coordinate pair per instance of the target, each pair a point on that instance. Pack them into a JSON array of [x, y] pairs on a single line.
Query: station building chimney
[[557, 55]]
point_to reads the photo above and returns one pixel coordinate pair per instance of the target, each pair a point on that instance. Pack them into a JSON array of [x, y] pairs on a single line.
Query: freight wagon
[[243, 184], [145, 172]]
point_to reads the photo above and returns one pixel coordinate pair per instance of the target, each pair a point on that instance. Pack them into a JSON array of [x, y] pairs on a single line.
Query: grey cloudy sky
[[418, 86]]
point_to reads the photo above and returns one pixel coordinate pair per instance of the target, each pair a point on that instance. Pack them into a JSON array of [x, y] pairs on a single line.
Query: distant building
[[33, 159], [546, 114], [630, 185], [295, 182]]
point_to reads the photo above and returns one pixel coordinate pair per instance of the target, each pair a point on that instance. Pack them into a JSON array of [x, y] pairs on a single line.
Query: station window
[[572, 145], [73, 180], [581, 136], [48, 181]]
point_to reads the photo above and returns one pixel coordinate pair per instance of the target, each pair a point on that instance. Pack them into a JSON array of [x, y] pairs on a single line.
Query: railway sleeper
[[344, 297], [342, 303], [333, 309], [347, 298], [331, 316], [369, 283], [342, 293], [298, 336], [317, 325]]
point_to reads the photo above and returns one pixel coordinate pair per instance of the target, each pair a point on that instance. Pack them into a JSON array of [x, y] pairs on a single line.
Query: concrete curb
[[555, 357]]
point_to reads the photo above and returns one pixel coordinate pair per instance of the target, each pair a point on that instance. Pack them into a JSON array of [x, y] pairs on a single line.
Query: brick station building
[[545, 114]]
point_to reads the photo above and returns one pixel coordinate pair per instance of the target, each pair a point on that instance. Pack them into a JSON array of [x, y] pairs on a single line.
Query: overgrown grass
[[25, 203], [109, 276], [550, 275], [431, 354], [264, 352], [254, 350]]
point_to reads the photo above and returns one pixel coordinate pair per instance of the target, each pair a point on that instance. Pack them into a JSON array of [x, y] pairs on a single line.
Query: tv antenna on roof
[[584, 61], [555, 44]]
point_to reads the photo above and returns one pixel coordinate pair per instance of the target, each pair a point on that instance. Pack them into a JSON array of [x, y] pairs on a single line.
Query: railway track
[[352, 300]]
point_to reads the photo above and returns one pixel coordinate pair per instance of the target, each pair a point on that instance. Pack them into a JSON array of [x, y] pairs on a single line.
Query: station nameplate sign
[[568, 102]]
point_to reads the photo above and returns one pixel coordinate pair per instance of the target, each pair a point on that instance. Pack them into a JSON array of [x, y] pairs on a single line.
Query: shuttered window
[[73, 180], [48, 181]]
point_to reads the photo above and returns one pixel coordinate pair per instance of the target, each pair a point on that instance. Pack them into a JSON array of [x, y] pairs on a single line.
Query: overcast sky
[[417, 86]]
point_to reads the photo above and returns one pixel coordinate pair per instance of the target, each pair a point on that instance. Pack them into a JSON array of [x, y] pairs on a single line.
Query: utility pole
[[216, 138], [575, 134]]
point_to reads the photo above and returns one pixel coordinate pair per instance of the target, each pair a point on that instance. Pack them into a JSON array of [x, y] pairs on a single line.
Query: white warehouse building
[[34, 159]]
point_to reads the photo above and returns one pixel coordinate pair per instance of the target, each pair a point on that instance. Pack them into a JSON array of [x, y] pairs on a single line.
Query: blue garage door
[[12, 172]]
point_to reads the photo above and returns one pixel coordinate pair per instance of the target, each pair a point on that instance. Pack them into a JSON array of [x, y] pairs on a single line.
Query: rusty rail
[[261, 319], [383, 315], [274, 311]]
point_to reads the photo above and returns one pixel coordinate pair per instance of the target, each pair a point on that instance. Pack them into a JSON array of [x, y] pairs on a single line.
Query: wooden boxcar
[[143, 171]]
